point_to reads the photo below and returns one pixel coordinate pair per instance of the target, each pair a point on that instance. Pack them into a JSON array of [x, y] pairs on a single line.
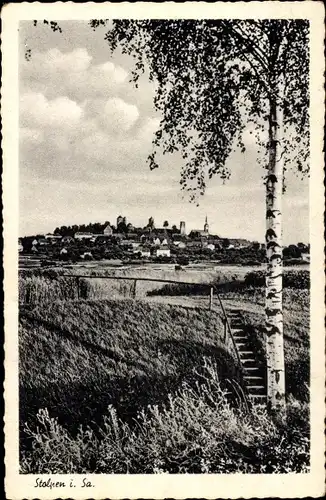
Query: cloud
[[54, 65], [75, 61], [36, 110], [118, 116], [31, 135], [56, 73]]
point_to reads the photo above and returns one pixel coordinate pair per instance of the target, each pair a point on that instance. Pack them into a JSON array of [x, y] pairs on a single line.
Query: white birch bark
[[274, 308]]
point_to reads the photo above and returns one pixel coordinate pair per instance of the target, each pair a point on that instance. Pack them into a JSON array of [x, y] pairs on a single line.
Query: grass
[[127, 386], [78, 357]]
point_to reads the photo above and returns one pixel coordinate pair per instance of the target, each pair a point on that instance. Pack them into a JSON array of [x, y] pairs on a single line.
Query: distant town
[[171, 244]]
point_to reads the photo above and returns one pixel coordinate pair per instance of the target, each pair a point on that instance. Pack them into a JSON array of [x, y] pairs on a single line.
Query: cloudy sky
[[85, 134]]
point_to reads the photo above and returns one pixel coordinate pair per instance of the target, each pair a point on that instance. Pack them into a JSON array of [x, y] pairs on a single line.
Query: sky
[[85, 134]]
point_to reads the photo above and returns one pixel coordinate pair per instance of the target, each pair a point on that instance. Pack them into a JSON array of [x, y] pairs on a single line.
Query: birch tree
[[213, 78]]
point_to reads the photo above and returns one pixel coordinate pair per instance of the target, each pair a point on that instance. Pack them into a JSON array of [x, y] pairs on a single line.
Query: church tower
[[206, 226]]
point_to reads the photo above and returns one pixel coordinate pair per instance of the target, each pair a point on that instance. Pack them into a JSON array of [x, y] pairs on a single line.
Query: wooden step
[[254, 388], [252, 377], [248, 363], [235, 331], [258, 398], [248, 353], [251, 368]]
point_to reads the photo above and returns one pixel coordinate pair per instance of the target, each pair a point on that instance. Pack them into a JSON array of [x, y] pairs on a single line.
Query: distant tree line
[[92, 227]]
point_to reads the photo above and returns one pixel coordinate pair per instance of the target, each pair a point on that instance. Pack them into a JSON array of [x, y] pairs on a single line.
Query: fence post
[[77, 282], [134, 289], [211, 298]]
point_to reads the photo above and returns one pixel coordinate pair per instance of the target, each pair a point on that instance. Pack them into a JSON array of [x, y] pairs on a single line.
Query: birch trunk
[[274, 308]]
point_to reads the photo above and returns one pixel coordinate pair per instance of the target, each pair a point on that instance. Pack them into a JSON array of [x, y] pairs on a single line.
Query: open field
[[44, 285], [146, 380]]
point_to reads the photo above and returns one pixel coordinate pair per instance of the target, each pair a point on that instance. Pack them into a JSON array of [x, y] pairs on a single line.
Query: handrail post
[[225, 331], [211, 298]]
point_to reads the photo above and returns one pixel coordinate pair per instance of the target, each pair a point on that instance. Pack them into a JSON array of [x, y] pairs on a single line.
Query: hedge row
[[291, 279]]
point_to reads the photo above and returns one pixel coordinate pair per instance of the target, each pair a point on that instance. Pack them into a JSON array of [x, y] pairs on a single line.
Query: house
[[87, 256], [195, 244], [130, 244], [159, 239], [118, 237], [305, 256], [43, 242], [180, 244], [94, 237], [144, 252], [53, 237], [238, 243], [108, 231], [134, 236], [210, 247], [67, 240], [83, 236], [197, 233], [135, 245], [103, 238], [163, 251], [217, 242]]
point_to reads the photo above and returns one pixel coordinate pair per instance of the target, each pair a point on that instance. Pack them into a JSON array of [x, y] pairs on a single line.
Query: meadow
[[113, 384]]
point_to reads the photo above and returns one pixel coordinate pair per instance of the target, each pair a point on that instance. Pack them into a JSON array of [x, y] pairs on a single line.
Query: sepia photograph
[[164, 233]]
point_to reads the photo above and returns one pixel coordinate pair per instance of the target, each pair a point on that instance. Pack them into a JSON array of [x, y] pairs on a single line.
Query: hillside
[[78, 357], [123, 386]]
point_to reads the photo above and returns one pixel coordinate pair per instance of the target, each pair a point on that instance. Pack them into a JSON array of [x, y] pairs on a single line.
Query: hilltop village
[[126, 242]]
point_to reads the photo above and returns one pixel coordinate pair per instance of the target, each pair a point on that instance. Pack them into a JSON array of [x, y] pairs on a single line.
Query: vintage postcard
[[163, 249]]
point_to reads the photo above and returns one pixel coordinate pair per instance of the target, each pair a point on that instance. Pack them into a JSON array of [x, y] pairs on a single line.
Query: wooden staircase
[[254, 372]]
